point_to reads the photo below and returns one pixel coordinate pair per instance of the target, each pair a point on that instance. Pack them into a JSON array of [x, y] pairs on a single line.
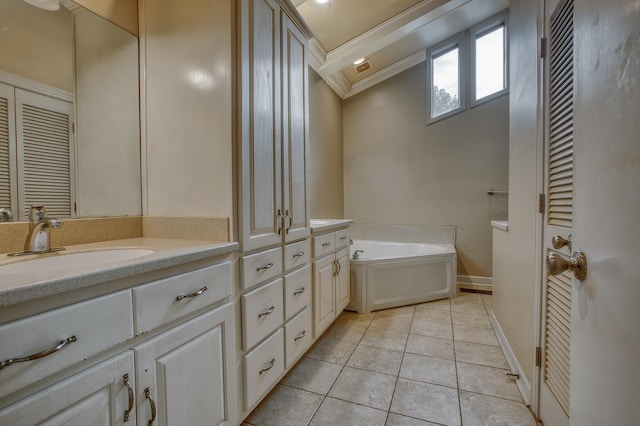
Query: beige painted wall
[[325, 146], [37, 44], [188, 107], [399, 171], [514, 261]]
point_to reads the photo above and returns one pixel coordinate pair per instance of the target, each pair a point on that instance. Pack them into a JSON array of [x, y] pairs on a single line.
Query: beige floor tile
[[364, 387], [487, 299], [400, 311], [430, 346], [441, 305], [480, 410], [313, 376], [387, 339], [487, 381], [332, 350], [351, 332], [398, 420], [347, 317], [380, 360], [433, 329], [425, 314], [425, 401], [334, 412], [286, 406], [485, 336], [438, 371], [468, 308], [471, 320], [468, 298], [392, 322], [475, 353]]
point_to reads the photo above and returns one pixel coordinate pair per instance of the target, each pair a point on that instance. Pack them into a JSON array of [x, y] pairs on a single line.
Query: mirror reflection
[[69, 113]]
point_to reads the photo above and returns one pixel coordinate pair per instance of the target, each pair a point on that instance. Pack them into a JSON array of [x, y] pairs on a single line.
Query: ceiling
[[391, 34]]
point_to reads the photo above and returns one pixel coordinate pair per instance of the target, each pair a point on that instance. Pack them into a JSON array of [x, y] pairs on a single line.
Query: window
[[472, 65], [489, 60], [447, 82]]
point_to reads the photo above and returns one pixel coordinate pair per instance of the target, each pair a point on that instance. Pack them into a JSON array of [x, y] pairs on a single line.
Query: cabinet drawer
[[297, 335], [297, 291], [262, 367], [342, 238], [97, 324], [163, 301], [296, 254], [262, 312], [323, 244], [260, 267]]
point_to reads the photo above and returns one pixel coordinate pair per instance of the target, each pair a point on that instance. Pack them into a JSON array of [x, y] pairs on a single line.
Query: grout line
[[455, 360], [404, 351]]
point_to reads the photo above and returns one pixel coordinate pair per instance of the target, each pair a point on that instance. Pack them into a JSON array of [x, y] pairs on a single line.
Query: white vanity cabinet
[[331, 278]]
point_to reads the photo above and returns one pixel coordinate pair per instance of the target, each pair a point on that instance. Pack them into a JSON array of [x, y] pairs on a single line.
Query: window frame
[[459, 41], [478, 30]]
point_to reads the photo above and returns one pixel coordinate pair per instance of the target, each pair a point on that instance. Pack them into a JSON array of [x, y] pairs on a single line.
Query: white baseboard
[[475, 283], [523, 384]]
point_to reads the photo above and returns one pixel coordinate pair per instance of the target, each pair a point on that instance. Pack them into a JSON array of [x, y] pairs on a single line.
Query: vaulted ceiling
[[391, 34]]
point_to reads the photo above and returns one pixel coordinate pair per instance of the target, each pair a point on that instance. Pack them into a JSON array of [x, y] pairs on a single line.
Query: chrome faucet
[[356, 254], [40, 224], [6, 215]]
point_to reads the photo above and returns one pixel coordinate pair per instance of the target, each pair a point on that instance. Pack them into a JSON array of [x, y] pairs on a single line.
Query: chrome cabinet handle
[[290, 221], [335, 271], [298, 254], [267, 312], [152, 404], [339, 265], [267, 266], [280, 221], [194, 294], [127, 412], [327, 244], [299, 291], [300, 336], [271, 364], [557, 264], [344, 237], [46, 352]]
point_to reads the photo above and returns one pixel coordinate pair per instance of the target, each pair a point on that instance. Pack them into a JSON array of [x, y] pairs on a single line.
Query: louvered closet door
[[45, 154], [557, 290], [8, 174]]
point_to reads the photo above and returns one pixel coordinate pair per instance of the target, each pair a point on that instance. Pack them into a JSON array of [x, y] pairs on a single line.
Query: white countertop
[[23, 287], [322, 225]]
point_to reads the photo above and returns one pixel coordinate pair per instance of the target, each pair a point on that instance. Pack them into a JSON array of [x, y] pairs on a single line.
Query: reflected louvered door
[[45, 153], [557, 290], [8, 194]]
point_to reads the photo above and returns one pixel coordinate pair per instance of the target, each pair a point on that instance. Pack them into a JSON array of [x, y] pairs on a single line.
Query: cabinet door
[[343, 281], [295, 131], [323, 294], [96, 396], [186, 374], [260, 180]]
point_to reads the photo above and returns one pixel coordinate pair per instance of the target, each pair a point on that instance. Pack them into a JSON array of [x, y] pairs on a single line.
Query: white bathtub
[[390, 274]]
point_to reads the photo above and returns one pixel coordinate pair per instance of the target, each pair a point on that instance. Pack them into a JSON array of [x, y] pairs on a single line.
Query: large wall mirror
[[69, 112]]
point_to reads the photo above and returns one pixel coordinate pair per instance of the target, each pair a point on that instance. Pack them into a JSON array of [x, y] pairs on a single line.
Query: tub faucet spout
[[356, 254]]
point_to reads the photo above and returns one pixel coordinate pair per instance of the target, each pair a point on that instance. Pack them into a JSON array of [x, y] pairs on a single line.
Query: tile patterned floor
[[433, 363]]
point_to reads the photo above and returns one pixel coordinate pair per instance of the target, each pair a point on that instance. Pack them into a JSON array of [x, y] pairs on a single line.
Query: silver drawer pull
[[127, 412], [41, 354], [299, 291], [271, 364], [299, 254], [267, 266], [300, 336], [344, 237], [327, 244], [152, 404], [267, 312], [194, 294]]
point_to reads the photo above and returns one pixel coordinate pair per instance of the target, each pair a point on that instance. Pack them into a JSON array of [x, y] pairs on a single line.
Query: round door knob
[[557, 264]]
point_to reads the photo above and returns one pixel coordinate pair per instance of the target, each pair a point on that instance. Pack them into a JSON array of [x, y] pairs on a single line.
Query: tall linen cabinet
[[274, 307]]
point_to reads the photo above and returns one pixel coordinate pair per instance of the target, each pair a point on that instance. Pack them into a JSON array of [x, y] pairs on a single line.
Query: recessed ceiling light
[[358, 61], [322, 1]]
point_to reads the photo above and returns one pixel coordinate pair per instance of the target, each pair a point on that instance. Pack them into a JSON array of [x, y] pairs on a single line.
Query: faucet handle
[[6, 215], [37, 213]]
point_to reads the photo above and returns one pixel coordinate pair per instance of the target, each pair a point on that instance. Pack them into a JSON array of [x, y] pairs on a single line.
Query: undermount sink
[[71, 260]]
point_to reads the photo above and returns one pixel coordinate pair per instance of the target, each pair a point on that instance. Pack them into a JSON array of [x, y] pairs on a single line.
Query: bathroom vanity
[[148, 339]]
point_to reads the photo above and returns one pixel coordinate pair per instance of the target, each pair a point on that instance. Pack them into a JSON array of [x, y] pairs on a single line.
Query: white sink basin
[[70, 261]]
